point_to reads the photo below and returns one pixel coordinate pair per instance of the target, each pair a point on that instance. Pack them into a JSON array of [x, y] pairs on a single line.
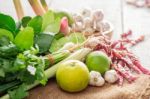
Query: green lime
[[98, 61]]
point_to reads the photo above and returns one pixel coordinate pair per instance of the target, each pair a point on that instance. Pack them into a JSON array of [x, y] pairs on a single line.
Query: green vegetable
[[54, 27], [18, 28], [8, 86], [61, 14], [49, 73], [4, 41], [25, 20], [6, 33], [76, 38], [19, 93], [48, 18], [44, 41], [8, 51], [7, 22], [36, 24], [24, 39]]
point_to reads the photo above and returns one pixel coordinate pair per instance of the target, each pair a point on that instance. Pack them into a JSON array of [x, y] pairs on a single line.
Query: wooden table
[[121, 15]]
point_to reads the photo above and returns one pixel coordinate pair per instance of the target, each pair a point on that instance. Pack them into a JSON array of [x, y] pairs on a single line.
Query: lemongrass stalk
[[44, 4], [19, 9], [50, 72], [37, 7]]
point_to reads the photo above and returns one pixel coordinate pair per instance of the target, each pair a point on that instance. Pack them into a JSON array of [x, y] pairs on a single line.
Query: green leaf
[[6, 33], [76, 38], [36, 24], [19, 93], [9, 51], [62, 14], [7, 22], [2, 73], [53, 27], [47, 19], [25, 20], [26, 77], [44, 41], [25, 38], [18, 27]]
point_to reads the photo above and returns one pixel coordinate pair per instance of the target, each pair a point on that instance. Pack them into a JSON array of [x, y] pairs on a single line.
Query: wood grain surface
[[122, 16]]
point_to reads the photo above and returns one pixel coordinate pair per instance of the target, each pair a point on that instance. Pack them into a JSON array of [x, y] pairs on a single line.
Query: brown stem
[[19, 9], [44, 4], [37, 7]]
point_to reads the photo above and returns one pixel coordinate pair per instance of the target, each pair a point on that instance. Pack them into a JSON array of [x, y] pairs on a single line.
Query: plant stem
[[19, 9], [44, 4], [37, 7]]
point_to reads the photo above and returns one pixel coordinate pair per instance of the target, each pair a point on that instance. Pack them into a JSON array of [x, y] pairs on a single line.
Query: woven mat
[[140, 89]]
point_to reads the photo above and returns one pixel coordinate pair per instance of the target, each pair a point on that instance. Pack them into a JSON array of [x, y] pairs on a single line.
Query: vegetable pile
[[34, 48], [27, 49]]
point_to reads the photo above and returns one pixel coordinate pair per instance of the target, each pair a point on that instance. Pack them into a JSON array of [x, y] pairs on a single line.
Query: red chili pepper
[[125, 35]]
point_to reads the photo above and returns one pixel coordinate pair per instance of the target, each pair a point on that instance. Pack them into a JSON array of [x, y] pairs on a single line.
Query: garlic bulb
[[86, 12], [96, 79], [78, 17], [111, 76], [105, 26], [88, 31], [92, 42], [98, 15], [78, 26], [98, 26], [88, 23]]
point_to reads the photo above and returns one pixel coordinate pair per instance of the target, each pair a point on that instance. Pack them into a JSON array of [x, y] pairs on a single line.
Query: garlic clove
[[100, 81], [86, 12], [111, 76], [97, 15]]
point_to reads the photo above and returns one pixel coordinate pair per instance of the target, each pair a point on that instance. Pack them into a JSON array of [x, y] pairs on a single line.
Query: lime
[[98, 61]]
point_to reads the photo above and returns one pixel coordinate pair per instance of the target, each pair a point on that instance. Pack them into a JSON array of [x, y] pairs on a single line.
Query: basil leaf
[[7, 22], [25, 38], [25, 20], [36, 24], [6, 33]]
